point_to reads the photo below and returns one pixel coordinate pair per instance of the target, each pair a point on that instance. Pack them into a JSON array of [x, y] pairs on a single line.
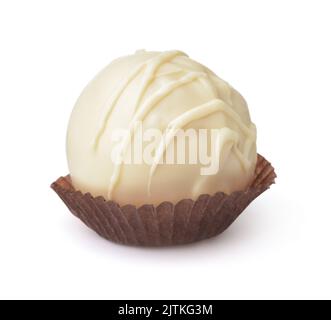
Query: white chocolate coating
[[164, 90]]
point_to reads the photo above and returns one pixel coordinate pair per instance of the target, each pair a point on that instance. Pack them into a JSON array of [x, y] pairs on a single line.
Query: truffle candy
[[138, 96]]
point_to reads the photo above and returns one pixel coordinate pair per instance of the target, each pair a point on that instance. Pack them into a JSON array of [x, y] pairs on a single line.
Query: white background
[[276, 53]]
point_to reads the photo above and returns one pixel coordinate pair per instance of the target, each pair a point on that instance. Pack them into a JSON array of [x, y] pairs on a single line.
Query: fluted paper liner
[[166, 224]]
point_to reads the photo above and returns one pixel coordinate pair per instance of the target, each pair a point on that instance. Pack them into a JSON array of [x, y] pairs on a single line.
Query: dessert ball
[[159, 126]]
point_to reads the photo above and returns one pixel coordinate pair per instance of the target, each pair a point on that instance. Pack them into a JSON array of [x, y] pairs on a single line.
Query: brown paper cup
[[167, 224]]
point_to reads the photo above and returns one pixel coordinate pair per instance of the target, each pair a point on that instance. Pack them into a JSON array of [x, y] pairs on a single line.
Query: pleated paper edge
[[167, 224]]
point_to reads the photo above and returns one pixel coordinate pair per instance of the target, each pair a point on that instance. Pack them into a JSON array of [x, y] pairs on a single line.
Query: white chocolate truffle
[[169, 92]]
